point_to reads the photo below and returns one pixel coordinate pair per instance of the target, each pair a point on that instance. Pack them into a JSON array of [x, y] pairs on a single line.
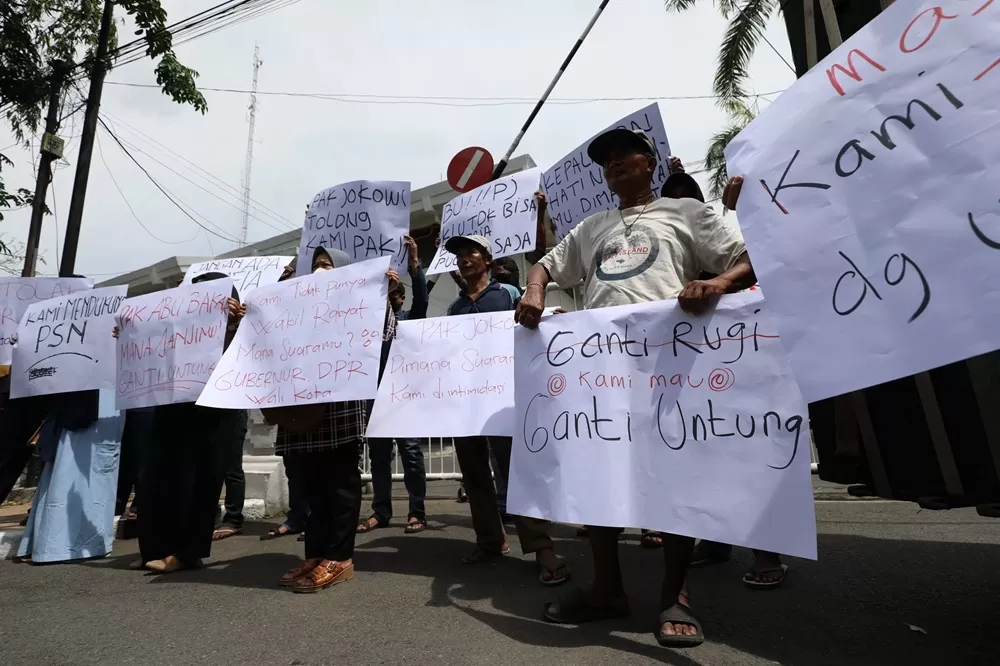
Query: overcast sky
[[442, 48]]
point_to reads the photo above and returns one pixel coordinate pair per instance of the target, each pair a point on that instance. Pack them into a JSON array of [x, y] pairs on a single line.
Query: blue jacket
[[421, 296], [496, 297]]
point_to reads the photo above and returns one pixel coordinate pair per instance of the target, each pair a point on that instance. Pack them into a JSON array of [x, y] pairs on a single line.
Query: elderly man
[[647, 249]]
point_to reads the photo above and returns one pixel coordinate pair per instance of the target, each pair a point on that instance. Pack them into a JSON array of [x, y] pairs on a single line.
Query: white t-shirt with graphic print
[[668, 245]]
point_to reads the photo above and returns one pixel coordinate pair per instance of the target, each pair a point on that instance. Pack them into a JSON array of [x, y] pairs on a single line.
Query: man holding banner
[[648, 249]]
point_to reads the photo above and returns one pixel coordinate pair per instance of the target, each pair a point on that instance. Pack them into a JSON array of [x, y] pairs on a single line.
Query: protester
[[19, 423], [767, 570], [648, 249], [380, 449], [322, 445], [135, 442], [73, 512], [235, 484], [484, 294], [184, 474], [298, 505]]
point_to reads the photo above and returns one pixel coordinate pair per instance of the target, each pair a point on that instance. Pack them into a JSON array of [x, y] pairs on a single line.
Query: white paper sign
[[248, 273], [314, 339], [504, 211], [169, 343], [16, 294], [65, 344], [448, 377], [643, 416], [575, 186], [870, 205], [365, 219]]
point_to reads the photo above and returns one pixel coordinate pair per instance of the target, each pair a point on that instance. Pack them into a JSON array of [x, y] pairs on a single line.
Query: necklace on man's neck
[[628, 226]]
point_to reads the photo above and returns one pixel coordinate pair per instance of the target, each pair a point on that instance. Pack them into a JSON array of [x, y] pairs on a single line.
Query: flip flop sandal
[[576, 608], [415, 527], [651, 540], [481, 554], [276, 533], [554, 580], [302, 537], [367, 526], [750, 582], [679, 614], [225, 532]]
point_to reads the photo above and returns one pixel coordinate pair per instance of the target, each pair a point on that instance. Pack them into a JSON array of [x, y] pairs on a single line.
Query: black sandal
[[276, 533], [577, 608], [679, 614], [415, 525], [368, 526]]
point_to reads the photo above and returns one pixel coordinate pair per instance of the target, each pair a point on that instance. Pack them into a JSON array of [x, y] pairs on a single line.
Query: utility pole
[[52, 147], [66, 268], [249, 160]]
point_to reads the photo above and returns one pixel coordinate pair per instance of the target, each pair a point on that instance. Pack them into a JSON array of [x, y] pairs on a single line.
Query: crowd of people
[[177, 458]]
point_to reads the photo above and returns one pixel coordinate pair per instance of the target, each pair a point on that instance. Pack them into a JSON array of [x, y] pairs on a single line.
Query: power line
[[203, 189], [433, 100], [189, 164], [163, 190], [129, 205]]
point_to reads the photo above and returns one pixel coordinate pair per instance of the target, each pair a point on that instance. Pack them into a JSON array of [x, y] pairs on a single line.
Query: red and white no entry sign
[[470, 168]]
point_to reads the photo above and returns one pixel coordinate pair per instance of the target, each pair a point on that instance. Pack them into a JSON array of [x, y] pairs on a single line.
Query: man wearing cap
[[646, 249], [484, 294]]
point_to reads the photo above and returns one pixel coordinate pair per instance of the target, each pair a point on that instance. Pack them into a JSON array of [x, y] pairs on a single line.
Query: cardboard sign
[[870, 204], [365, 219], [65, 344], [505, 211], [247, 273], [644, 416], [16, 294], [169, 343], [314, 339], [575, 187]]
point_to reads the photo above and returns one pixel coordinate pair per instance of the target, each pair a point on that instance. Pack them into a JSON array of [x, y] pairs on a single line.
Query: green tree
[[37, 36], [747, 22]]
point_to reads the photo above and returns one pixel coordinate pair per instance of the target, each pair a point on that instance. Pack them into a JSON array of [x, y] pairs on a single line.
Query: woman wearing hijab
[[183, 473], [72, 516], [323, 445]]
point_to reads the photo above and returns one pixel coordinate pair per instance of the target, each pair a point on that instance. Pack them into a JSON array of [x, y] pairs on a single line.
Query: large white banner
[[870, 206], [366, 219], [448, 377], [644, 416], [314, 339], [575, 187], [16, 294], [65, 344], [247, 273], [505, 211], [169, 343]]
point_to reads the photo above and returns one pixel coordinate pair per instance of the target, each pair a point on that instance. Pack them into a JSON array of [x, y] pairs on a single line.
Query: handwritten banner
[[504, 211], [16, 294], [65, 344], [247, 273], [314, 339], [169, 343], [365, 219], [870, 205], [575, 186], [642, 416], [448, 377]]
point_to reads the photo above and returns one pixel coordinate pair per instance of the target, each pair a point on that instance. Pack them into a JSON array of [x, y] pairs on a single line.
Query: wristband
[[536, 284]]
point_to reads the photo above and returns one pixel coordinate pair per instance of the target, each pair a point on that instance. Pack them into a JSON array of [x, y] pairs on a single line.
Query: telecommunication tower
[[257, 62]]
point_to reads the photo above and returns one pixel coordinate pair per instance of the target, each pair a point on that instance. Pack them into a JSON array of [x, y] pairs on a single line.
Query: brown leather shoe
[[324, 575], [298, 572]]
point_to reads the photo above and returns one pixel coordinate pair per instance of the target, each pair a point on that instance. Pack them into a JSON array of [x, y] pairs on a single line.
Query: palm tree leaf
[[679, 5], [744, 32], [715, 158]]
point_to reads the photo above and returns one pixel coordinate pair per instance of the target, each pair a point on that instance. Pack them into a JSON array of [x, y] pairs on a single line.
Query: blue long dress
[[72, 516]]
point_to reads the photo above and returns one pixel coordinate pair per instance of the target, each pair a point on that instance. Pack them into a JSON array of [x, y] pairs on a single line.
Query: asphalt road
[[883, 567]]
